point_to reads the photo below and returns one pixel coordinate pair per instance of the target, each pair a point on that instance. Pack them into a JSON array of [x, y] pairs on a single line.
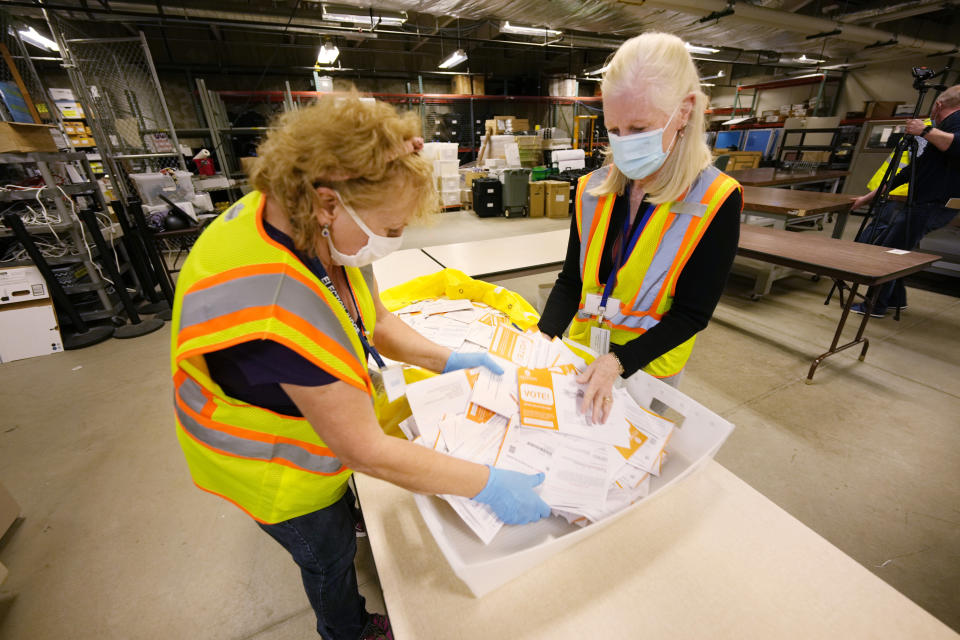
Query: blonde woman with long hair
[[276, 313], [655, 231]]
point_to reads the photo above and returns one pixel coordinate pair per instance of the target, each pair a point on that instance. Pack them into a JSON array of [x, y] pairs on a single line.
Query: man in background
[[937, 181]]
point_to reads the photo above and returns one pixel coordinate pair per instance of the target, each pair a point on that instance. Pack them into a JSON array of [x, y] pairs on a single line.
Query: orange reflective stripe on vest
[[245, 443]]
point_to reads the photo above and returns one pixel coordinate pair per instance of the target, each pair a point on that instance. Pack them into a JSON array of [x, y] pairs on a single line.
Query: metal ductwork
[[899, 11], [749, 27]]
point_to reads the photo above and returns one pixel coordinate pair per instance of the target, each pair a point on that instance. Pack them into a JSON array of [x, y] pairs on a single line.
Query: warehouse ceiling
[[769, 36]]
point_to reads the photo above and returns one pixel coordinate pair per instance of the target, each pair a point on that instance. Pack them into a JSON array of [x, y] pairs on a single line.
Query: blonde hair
[[359, 148], [950, 98], [660, 64]]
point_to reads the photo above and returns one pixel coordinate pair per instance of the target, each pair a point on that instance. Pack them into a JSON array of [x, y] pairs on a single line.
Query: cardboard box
[[9, 512], [556, 198], [27, 330], [507, 124], [18, 137], [467, 85], [22, 284], [821, 157], [67, 103], [470, 176], [878, 110], [538, 194], [82, 141]]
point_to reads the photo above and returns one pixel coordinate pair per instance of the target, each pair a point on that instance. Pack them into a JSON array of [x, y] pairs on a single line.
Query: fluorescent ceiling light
[[355, 15], [328, 53], [506, 27], [597, 71], [707, 84], [805, 60], [692, 48], [30, 35], [719, 75], [453, 59]]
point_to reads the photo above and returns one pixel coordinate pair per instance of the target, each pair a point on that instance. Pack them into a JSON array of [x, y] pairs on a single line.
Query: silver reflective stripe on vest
[[233, 211], [686, 212], [367, 272], [258, 291], [192, 396], [588, 208]]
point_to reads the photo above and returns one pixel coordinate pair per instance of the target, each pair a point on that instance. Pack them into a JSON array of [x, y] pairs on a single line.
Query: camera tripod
[[907, 144]]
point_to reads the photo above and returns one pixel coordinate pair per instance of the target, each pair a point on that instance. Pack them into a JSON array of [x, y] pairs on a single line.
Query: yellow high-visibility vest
[[646, 282], [239, 285], [904, 161]]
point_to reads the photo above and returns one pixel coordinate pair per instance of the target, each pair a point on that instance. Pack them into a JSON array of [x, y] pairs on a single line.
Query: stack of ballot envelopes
[[528, 419]]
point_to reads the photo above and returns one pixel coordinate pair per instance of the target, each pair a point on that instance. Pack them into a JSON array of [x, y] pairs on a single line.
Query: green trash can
[[539, 173]]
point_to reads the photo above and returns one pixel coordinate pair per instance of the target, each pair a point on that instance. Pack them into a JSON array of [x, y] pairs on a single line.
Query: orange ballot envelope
[[537, 402]]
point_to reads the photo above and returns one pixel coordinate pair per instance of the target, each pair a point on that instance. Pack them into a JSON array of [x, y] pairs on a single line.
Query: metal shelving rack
[[110, 305], [821, 78], [470, 107]]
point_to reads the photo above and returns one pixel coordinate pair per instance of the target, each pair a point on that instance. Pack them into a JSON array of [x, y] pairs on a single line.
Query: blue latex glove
[[471, 360], [511, 496]]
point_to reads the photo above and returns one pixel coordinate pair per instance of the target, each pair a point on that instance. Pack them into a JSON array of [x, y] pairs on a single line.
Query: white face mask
[[377, 246]]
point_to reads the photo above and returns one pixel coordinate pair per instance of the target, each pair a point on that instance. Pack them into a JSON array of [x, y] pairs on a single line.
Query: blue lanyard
[[358, 325], [630, 236]]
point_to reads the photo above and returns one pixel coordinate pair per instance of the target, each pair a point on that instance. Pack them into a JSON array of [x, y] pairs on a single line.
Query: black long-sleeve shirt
[[938, 172], [697, 293]]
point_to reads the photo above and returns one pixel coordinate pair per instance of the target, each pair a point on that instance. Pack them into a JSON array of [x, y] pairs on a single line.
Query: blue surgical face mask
[[639, 155]]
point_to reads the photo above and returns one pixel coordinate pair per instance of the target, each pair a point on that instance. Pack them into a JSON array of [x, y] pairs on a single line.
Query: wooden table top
[[842, 259], [772, 176], [794, 203]]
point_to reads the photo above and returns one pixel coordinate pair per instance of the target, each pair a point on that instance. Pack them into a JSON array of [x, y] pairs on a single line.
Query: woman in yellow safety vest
[[655, 231], [276, 313]]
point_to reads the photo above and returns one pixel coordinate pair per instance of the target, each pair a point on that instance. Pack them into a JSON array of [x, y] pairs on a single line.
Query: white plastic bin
[[450, 198], [446, 168], [516, 549], [440, 150], [448, 183]]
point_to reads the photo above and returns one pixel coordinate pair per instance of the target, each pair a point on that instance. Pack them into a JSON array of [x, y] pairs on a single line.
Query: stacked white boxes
[[443, 155]]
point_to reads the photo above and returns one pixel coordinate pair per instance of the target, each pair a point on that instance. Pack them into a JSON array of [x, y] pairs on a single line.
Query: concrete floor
[[117, 543]]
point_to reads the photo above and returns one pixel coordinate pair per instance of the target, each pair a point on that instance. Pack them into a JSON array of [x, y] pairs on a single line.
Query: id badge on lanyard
[[603, 307]]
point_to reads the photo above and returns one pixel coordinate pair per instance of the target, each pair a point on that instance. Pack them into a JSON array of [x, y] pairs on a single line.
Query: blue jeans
[[889, 229], [323, 544]]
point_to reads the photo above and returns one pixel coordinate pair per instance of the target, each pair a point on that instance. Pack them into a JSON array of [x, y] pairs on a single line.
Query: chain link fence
[[118, 86]]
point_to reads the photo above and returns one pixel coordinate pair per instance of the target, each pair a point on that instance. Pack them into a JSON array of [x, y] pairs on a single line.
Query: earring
[[325, 231]]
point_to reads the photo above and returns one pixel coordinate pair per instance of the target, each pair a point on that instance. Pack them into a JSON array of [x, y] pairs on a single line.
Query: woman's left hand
[[599, 378]]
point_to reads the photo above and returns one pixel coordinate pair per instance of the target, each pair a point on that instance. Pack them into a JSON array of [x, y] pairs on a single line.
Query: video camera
[[922, 74]]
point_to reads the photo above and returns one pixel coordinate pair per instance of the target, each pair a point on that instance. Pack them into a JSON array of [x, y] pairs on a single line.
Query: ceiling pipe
[[797, 23], [894, 11]]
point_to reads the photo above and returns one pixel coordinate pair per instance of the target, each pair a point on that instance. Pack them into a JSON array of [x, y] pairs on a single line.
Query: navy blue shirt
[[938, 172], [253, 371]]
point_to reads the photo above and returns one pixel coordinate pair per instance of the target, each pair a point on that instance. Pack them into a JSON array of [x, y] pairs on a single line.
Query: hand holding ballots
[[527, 420]]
